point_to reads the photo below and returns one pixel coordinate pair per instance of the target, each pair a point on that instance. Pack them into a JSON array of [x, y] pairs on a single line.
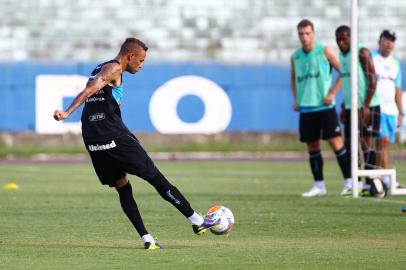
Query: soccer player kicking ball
[[114, 150]]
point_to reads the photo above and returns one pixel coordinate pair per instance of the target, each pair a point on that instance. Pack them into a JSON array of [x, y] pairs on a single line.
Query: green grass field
[[62, 218]]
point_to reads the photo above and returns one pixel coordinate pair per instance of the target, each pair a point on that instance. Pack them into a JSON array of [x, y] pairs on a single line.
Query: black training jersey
[[101, 115]]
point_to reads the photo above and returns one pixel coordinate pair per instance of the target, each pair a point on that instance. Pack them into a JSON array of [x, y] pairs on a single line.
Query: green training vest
[[312, 76], [345, 73]]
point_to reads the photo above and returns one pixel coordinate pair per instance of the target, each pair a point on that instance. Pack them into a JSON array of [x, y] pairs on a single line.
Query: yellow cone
[[11, 186]]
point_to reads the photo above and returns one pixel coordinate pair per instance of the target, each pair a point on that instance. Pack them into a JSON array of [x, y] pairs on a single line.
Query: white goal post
[[355, 171]]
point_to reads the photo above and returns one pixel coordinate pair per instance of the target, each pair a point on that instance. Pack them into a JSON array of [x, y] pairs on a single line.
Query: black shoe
[[207, 224]]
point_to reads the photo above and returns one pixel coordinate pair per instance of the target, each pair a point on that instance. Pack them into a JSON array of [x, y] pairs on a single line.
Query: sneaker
[[347, 191], [314, 192], [151, 246], [365, 193], [207, 224]]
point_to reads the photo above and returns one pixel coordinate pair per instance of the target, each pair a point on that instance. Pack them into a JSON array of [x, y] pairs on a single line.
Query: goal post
[[393, 189], [354, 96]]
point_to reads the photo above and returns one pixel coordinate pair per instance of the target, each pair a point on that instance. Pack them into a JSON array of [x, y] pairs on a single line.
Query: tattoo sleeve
[[105, 76]]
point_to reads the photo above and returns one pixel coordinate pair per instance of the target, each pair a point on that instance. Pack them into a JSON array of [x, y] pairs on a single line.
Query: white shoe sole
[[314, 195]]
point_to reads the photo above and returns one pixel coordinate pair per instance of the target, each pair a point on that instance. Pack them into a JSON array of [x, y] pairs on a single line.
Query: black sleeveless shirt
[[101, 115]]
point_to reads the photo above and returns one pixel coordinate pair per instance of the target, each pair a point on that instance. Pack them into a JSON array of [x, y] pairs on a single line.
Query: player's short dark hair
[[305, 23], [132, 44], [343, 29], [391, 35]]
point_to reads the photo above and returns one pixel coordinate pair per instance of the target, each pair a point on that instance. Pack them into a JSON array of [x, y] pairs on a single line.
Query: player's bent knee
[[121, 182], [336, 143], [313, 146]]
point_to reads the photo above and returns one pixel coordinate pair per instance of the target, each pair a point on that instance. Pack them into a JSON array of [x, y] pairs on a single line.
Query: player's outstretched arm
[[109, 73]]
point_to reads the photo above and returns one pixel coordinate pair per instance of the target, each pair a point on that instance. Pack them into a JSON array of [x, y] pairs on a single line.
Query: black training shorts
[[321, 124], [113, 159], [370, 129]]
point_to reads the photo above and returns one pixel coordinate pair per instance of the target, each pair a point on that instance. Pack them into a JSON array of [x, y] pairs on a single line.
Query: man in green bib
[[368, 101], [314, 94]]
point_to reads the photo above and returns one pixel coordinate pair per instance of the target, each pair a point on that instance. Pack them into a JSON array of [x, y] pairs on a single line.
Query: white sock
[[196, 219], [320, 184], [348, 182], [148, 238]]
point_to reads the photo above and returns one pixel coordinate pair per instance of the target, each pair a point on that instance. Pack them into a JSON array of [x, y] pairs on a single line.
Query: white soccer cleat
[[347, 191], [315, 192]]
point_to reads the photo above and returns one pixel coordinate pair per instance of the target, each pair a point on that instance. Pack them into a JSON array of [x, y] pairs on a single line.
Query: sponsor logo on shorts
[[101, 147], [97, 117], [338, 129]]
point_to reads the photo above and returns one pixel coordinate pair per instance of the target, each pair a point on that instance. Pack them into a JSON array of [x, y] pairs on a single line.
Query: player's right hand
[[60, 115], [342, 116], [295, 107], [328, 100]]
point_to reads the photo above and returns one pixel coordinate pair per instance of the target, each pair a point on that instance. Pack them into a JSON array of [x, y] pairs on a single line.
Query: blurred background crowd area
[[231, 31]]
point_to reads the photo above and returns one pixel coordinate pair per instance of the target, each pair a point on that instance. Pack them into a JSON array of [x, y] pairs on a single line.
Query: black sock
[[316, 164], [130, 208], [343, 161], [370, 159], [370, 162], [171, 194]]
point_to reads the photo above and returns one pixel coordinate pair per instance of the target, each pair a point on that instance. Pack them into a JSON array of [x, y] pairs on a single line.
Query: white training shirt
[[389, 77]]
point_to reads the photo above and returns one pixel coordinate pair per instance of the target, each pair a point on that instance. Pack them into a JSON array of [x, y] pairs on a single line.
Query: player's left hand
[[342, 116], [60, 115], [328, 100], [365, 114], [400, 120]]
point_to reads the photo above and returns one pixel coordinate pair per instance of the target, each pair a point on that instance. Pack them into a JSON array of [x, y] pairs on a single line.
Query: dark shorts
[[113, 159], [370, 129], [321, 124]]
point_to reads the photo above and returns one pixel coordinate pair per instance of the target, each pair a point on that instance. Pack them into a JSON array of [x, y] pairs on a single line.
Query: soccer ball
[[378, 188], [226, 219]]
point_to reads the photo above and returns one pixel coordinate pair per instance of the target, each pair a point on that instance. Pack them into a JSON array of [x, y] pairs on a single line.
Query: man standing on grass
[[368, 101], [389, 88], [114, 150], [313, 93]]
